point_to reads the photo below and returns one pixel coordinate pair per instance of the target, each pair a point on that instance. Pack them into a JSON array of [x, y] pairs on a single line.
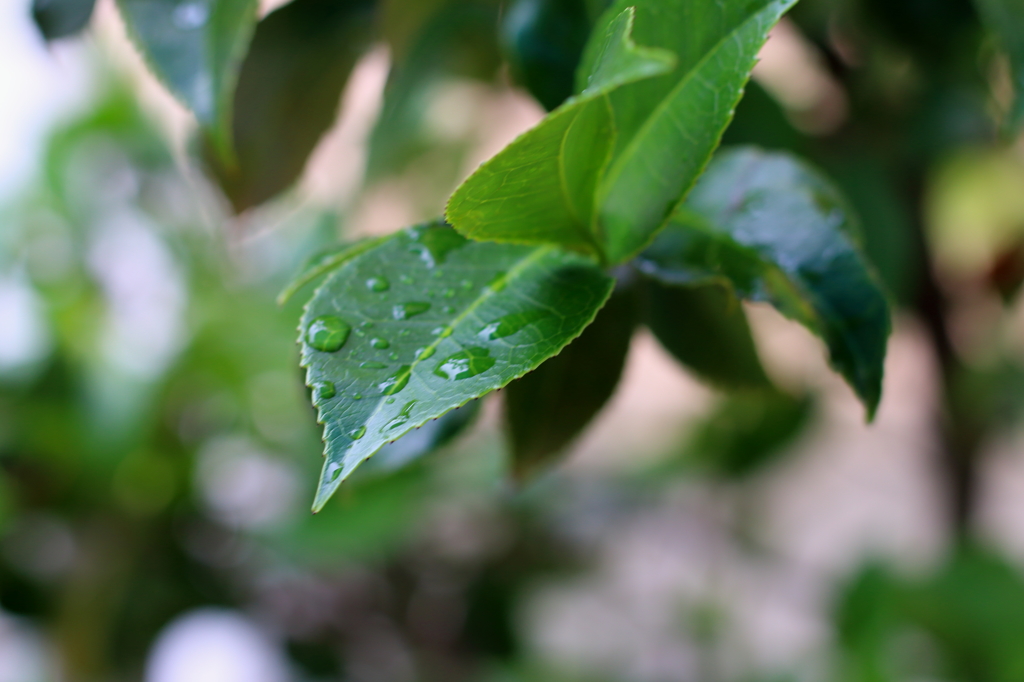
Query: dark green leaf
[[543, 41], [706, 329], [196, 48], [324, 262], [61, 18], [1006, 19], [540, 189], [431, 436], [288, 93], [546, 409], [778, 232], [746, 431], [427, 321], [669, 127]]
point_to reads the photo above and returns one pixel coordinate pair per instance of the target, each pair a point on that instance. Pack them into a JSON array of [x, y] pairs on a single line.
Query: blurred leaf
[[61, 18], [458, 40], [288, 93], [705, 328], [865, 620], [540, 188], [778, 232], [1006, 19], [543, 41], [427, 321], [424, 440], [196, 48], [668, 127], [747, 431], [546, 409], [324, 262]]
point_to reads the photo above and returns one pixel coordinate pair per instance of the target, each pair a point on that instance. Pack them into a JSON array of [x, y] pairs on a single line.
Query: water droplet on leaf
[[377, 284], [424, 353], [327, 333], [403, 311], [380, 344], [372, 365], [396, 382], [356, 434], [403, 416], [433, 244], [323, 390], [510, 324], [467, 363]]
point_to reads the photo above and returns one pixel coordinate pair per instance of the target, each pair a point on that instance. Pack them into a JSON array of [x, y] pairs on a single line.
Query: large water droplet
[[356, 434], [465, 364], [401, 418], [377, 284], [510, 324], [380, 344], [372, 365], [395, 382], [327, 333], [498, 282], [189, 16], [433, 244], [403, 311], [323, 390]]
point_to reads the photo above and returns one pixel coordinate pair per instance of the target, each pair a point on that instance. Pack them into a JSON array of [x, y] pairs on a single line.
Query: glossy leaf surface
[[705, 328], [669, 127], [324, 262], [540, 189], [420, 442], [778, 232], [1006, 20], [288, 93], [546, 409], [427, 321], [61, 18], [196, 48]]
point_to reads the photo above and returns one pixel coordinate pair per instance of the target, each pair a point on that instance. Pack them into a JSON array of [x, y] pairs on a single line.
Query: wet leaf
[[428, 321], [776, 231], [196, 48], [420, 442], [324, 262], [546, 409]]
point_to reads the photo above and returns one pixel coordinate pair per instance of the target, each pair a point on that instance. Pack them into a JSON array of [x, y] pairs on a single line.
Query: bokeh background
[[158, 452]]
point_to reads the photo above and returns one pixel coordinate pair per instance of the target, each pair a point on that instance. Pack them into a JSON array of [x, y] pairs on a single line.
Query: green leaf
[[427, 321], [778, 232], [61, 18], [1006, 19], [746, 432], [288, 93], [546, 409], [544, 41], [324, 262], [669, 127], [540, 189], [706, 329], [196, 48]]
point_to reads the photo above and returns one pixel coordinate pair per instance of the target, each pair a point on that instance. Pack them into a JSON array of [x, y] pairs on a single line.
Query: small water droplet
[[333, 471], [437, 274], [393, 356], [443, 331], [356, 434], [360, 332], [466, 284], [510, 324], [449, 293], [498, 282], [467, 363], [433, 244], [189, 16], [390, 401], [405, 333], [403, 311], [396, 381], [323, 390], [447, 310], [357, 396], [403, 416], [424, 353], [366, 324], [405, 279], [377, 284], [372, 365], [327, 333], [380, 344]]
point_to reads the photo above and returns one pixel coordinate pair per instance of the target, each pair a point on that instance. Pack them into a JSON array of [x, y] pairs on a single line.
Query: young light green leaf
[[546, 409], [705, 328], [776, 231], [427, 321], [196, 48], [540, 189], [288, 93], [669, 127], [1006, 19], [61, 18], [324, 262]]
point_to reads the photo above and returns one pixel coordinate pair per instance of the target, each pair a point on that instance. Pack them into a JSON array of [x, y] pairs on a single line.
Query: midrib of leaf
[[663, 106], [511, 276]]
